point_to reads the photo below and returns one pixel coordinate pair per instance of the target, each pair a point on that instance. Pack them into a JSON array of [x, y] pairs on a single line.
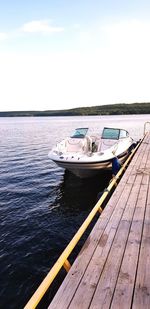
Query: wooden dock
[[113, 268]]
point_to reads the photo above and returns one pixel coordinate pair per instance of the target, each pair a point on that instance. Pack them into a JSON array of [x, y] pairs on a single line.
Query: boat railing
[[63, 259]]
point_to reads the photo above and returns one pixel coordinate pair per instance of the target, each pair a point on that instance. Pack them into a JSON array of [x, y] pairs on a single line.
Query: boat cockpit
[[80, 142]]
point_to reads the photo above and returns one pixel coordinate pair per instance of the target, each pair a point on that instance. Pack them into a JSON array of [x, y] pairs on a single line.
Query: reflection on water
[[41, 205], [81, 191]]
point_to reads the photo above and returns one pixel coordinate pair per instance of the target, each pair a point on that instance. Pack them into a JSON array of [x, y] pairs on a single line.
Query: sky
[[57, 54]]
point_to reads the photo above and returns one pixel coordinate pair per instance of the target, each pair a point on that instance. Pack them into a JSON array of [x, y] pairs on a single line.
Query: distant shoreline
[[113, 109]]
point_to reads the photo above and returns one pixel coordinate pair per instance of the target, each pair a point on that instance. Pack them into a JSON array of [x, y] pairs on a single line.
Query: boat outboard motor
[[115, 165]]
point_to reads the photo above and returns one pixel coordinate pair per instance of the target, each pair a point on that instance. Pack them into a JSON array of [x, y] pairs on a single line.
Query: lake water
[[41, 205]]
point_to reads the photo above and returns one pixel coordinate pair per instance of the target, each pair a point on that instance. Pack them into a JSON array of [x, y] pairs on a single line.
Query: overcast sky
[[57, 54]]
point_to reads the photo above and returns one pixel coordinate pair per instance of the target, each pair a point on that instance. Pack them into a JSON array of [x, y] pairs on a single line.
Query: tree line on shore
[[112, 109]]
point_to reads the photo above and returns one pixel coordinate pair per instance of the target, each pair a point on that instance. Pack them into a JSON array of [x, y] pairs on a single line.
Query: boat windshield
[[110, 133], [79, 133]]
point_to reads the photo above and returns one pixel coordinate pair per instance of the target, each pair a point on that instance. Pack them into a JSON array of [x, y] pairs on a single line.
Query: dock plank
[[73, 278], [141, 297], [126, 280], [110, 271], [105, 289], [122, 297], [131, 170], [89, 281]]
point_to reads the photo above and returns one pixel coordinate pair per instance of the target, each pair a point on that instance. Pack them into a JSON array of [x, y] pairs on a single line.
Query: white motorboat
[[85, 155]]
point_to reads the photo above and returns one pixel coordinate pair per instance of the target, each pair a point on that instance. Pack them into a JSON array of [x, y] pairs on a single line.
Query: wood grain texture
[[112, 269]]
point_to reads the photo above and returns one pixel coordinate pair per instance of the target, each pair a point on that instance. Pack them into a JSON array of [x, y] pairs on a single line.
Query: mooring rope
[[143, 170]]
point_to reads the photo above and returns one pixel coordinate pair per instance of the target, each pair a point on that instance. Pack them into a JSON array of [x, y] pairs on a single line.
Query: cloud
[[40, 26], [33, 27]]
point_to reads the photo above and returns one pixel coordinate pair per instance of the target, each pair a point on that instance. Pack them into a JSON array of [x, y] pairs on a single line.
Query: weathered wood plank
[[141, 153], [89, 281], [106, 285], [132, 166], [122, 297], [72, 280], [92, 279], [146, 171], [142, 287]]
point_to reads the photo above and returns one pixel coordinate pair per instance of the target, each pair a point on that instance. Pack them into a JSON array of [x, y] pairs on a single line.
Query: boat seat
[[79, 144]]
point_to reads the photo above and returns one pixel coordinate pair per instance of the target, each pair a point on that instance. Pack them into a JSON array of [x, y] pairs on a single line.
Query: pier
[[112, 269]]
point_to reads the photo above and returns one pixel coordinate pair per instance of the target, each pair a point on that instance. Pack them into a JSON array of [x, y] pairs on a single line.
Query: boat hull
[[89, 169]]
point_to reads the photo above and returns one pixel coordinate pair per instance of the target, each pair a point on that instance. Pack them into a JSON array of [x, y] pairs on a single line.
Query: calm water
[[42, 206]]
